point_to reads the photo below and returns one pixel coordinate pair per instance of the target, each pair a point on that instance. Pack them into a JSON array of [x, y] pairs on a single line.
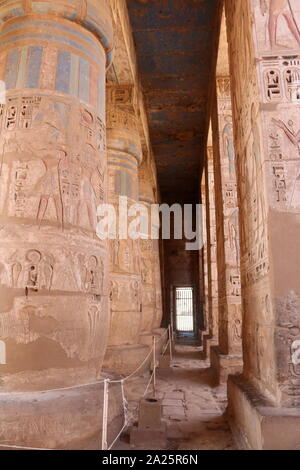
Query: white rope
[[166, 347], [125, 409], [108, 381], [65, 388], [163, 335], [134, 372], [149, 383], [22, 447]]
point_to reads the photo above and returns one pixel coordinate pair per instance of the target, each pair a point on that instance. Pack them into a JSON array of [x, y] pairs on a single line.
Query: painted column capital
[[122, 125], [93, 15], [223, 87]]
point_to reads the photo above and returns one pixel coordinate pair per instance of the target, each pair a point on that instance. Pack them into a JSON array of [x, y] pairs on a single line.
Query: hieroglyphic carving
[[121, 119], [267, 143], [40, 269], [55, 184], [281, 78]]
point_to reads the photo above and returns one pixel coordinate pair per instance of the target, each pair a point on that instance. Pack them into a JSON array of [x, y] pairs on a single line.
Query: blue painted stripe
[[121, 165], [121, 157], [22, 67], [84, 80], [63, 72], [50, 37], [34, 67], [12, 69], [101, 96], [74, 80], [38, 24], [13, 12]]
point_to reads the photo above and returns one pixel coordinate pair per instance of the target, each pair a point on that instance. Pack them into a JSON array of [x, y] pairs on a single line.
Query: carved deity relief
[[124, 257], [57, 176], [51, 269], [279, 22], [125, 294], [94, 275], [234, 236], [229, 145], [283, 150]]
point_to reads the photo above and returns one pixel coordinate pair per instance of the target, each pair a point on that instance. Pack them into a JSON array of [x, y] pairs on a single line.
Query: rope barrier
[[106, 383], [65, 388], [133, 373], [149, 383], [166, 347], [22, 447], [125, 409]]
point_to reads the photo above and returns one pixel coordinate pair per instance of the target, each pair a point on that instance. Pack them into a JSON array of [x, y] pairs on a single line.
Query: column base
[[126, 359], [66, 419], [224, 365], [162, 332], [256, 424], [208, 343]]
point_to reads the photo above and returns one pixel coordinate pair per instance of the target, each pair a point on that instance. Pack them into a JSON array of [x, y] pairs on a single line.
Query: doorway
[[184, 310]]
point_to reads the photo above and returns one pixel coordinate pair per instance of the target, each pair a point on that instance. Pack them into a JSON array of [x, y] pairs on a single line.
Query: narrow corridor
[[192, 408]]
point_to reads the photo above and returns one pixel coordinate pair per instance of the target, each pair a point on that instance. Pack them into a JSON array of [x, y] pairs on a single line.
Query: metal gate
[[184, 309]]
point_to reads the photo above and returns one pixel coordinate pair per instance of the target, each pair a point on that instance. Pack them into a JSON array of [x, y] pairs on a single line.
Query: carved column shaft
[[266, 112], [124, 157], [228, 353], [53, 281], [212, 338], [150, 261], [204, 261]]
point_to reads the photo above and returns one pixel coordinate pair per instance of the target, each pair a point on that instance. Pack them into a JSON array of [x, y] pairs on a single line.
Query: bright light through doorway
[[184, 309]]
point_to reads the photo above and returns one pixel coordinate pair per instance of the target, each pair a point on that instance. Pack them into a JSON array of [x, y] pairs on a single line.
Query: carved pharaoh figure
[[277, 9]]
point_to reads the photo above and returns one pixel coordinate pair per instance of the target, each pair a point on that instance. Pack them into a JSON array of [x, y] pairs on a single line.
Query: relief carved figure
[[55, 171], [278, 9], [294, 138], [94, 275], [295, 358], [292, 135], [49, 187], [228, 144], [38, 271]]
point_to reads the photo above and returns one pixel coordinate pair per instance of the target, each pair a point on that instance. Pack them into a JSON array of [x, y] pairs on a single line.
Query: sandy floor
[[192, 408]]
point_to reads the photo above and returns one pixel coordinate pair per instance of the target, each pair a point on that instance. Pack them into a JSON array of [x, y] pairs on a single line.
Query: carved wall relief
[[56, 181], [278, 24], [52, 269], [281, 78]]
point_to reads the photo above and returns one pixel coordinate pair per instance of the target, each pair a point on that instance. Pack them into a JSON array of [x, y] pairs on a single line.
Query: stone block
[[257, 424], [150, 413], [150, 439], [224, 365]]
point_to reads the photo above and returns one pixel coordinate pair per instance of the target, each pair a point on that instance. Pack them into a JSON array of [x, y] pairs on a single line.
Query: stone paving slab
[[172, 402], [175, 395]]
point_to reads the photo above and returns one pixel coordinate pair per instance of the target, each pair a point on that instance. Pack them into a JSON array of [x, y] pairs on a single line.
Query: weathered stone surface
[[54, 315]]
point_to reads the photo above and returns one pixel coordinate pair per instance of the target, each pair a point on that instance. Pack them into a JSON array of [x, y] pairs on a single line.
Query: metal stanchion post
[[154, 367], [170, 342], [105, 415]]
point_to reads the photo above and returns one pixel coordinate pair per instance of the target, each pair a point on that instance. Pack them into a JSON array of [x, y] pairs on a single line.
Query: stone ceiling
[[176, 43]]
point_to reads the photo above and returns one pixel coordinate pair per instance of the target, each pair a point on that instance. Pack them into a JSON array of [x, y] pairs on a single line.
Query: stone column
[[125, 352], [212, 338], [227, 356], [53, 269], [203, 261], [264, 401], [150, 263]]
